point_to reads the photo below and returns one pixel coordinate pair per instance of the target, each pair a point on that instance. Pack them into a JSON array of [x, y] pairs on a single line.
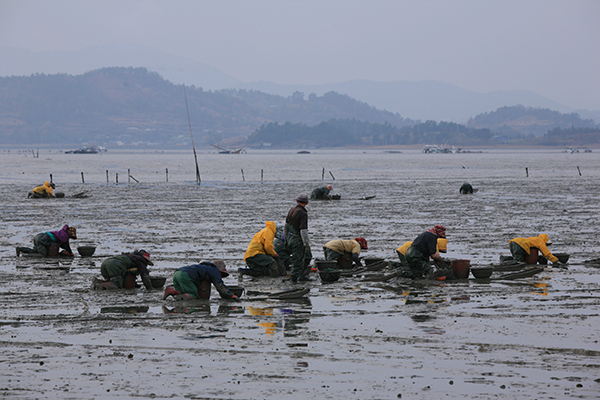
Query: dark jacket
[[426, 243], [298, 218], [207, 271]]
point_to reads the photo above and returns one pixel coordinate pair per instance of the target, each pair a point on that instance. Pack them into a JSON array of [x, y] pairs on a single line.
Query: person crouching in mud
[[194, 282], [261, 257], [43, 191], [466, 188], [521, 247], [418, 254], [321, 193], [345, 251], [442, 247], [121, 271], [45, 241]]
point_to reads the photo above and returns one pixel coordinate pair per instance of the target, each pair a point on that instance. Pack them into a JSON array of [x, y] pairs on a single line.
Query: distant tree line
[[351, 132]]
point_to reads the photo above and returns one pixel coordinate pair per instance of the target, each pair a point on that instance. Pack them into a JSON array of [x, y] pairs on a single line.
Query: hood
[[47, 184], [271, 225], [544, 237]]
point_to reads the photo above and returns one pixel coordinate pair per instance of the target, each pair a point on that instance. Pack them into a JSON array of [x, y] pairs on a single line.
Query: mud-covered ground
[[533, 338]]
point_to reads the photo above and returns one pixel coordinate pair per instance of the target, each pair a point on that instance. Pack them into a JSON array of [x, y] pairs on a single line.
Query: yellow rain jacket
[[262, 242], [442, 245], [537, 241], [343, 246], [43, 189]]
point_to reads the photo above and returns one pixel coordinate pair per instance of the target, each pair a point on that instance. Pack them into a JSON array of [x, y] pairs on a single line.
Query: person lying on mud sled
[[261, 257], [417, 256], [521, 247], [120, 272], [42, 192], [442, 247], [345, 251], [321, 193], [46, 244], [193, 282]]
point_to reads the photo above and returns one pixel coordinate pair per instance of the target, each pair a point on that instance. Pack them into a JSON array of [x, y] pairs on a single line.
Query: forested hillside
[[132, 105]]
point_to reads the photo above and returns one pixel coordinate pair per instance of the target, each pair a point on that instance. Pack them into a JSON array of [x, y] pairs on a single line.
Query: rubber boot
[[170, 291], [182, 296]]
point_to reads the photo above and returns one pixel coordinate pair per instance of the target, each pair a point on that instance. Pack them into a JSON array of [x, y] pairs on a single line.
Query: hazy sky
[[550, 47]]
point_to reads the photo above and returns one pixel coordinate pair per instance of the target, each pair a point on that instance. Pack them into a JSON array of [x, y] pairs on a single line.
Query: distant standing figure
[[42, 242], [321, 193], [42, 192], [466, 188], [194, 281]]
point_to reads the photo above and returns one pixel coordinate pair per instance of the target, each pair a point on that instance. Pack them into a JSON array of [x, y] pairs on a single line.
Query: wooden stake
[[198, 180], [50, 178], [107, 177], [579, 170], [243, 178], [332, 175], [261, 175], [128, 176], [117, 178], [167, 173], [82, 178], [323, 174], [527, 172]]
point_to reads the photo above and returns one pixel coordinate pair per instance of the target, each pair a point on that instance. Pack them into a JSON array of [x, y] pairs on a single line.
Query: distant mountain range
[[425, 100]]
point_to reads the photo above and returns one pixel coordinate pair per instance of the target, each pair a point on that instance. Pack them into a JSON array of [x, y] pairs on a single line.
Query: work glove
[[558, 262], [235, 298]]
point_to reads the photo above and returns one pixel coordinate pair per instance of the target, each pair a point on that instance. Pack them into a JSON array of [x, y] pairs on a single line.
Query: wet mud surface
[[356, 338]]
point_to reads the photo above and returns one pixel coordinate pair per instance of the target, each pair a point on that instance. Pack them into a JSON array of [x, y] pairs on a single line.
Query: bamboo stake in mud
[[50, 178], [117, 178], [167, 173], [243, 178], [527, 172], [107, 177], [128, 176], [261, 176], [332, 175], [82, 178], [323, 174], [578, 170], [198, 180]]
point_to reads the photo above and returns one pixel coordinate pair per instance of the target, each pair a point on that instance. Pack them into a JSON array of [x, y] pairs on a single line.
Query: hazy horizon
[[549, 48]]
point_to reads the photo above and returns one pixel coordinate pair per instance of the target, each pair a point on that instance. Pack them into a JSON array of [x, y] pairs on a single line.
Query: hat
[[329, 187], [302, 198], [438, 230], [363, 243], [220, 264], [72, 232], [144, 254]]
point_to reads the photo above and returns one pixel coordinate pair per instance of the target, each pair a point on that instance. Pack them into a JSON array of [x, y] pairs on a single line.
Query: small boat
[[85, 150], [303, 152]]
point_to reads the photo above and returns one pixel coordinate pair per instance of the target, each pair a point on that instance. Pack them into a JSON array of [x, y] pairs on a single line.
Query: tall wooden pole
[[198, 180]]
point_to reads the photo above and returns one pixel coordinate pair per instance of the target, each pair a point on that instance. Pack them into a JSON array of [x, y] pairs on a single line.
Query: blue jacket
[[207, 271]]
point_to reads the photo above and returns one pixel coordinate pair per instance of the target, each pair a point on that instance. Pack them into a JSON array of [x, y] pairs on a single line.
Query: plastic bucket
[[532, 258], [323, 265], [461, 268]]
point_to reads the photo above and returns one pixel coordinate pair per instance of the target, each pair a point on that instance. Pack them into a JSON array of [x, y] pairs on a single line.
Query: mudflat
[[356, 338]]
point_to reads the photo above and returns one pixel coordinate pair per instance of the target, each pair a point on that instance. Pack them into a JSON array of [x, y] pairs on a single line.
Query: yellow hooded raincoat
[[262, 242], [43, 189], [537, 241]]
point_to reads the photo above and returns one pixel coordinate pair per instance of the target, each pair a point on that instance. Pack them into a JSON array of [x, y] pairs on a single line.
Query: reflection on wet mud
[[187, 309]]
